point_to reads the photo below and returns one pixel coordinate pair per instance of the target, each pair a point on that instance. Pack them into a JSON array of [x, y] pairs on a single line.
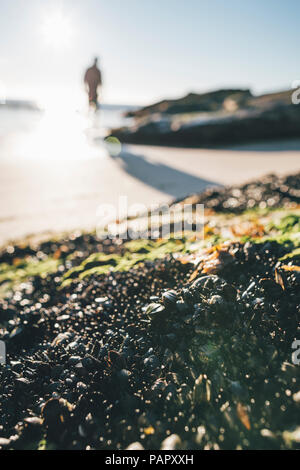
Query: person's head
[[95, 61]]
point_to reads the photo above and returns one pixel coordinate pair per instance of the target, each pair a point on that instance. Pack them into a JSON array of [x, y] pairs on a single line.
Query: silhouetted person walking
[[93, 80]]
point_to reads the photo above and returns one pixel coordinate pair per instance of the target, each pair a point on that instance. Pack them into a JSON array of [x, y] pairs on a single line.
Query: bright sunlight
[[57, 29]]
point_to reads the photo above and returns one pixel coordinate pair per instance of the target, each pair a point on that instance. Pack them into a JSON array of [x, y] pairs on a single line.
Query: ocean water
[[56, 134]]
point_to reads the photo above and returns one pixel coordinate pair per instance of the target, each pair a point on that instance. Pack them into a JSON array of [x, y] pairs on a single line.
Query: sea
[[28, 132]]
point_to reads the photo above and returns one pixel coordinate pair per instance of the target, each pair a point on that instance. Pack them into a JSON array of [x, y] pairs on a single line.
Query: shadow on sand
[[169, 180]]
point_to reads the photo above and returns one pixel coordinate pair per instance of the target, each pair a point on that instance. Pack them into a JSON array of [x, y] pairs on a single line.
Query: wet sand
[[45, 196]]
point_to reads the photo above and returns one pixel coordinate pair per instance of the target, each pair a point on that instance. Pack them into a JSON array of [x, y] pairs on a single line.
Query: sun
[[57, 29]]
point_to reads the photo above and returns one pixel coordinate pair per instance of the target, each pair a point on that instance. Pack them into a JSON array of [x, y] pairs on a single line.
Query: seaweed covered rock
[[154, 344]]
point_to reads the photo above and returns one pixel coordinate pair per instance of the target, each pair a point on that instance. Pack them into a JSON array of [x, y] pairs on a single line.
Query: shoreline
[[42, 196]]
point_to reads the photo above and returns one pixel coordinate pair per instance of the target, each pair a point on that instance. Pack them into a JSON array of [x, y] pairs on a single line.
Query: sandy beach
[[47, 196]]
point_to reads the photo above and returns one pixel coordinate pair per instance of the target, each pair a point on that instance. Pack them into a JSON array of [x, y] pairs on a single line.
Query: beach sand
[[61, 195]]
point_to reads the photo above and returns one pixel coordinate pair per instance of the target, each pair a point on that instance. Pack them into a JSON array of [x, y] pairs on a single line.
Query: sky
[[148, 49]]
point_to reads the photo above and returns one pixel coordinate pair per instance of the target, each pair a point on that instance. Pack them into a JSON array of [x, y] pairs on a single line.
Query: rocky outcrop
[[265, 122], [193, 102], [214, 118]]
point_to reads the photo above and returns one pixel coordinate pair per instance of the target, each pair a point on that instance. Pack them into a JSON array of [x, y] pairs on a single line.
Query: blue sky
[[149, 49]]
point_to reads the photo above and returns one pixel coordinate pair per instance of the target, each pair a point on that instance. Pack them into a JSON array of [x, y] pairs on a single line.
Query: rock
[[213, 287], [135, 446], [151, 362], [55, 414], [201, 390], [172, 442], [246, 119], [193, 102], [81, 387], [32, 427], [170, 298], [4, 443], [201, 431], [73, 360], [62, 338], [124, 376], [296, 397]]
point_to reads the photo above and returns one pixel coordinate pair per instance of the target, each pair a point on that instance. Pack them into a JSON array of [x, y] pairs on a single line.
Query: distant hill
[[19, 104]]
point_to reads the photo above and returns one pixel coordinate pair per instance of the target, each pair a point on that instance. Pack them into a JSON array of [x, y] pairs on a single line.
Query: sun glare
[[57, 29]]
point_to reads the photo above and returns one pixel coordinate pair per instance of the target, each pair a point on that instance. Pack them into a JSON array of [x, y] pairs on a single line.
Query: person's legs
[[96, 100], [93, 97]]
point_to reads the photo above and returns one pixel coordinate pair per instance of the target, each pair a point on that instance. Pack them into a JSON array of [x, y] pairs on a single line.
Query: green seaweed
[[44, 445], [293, 255], [290, 223], [135, 253], [15, 274], [282, 226]]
